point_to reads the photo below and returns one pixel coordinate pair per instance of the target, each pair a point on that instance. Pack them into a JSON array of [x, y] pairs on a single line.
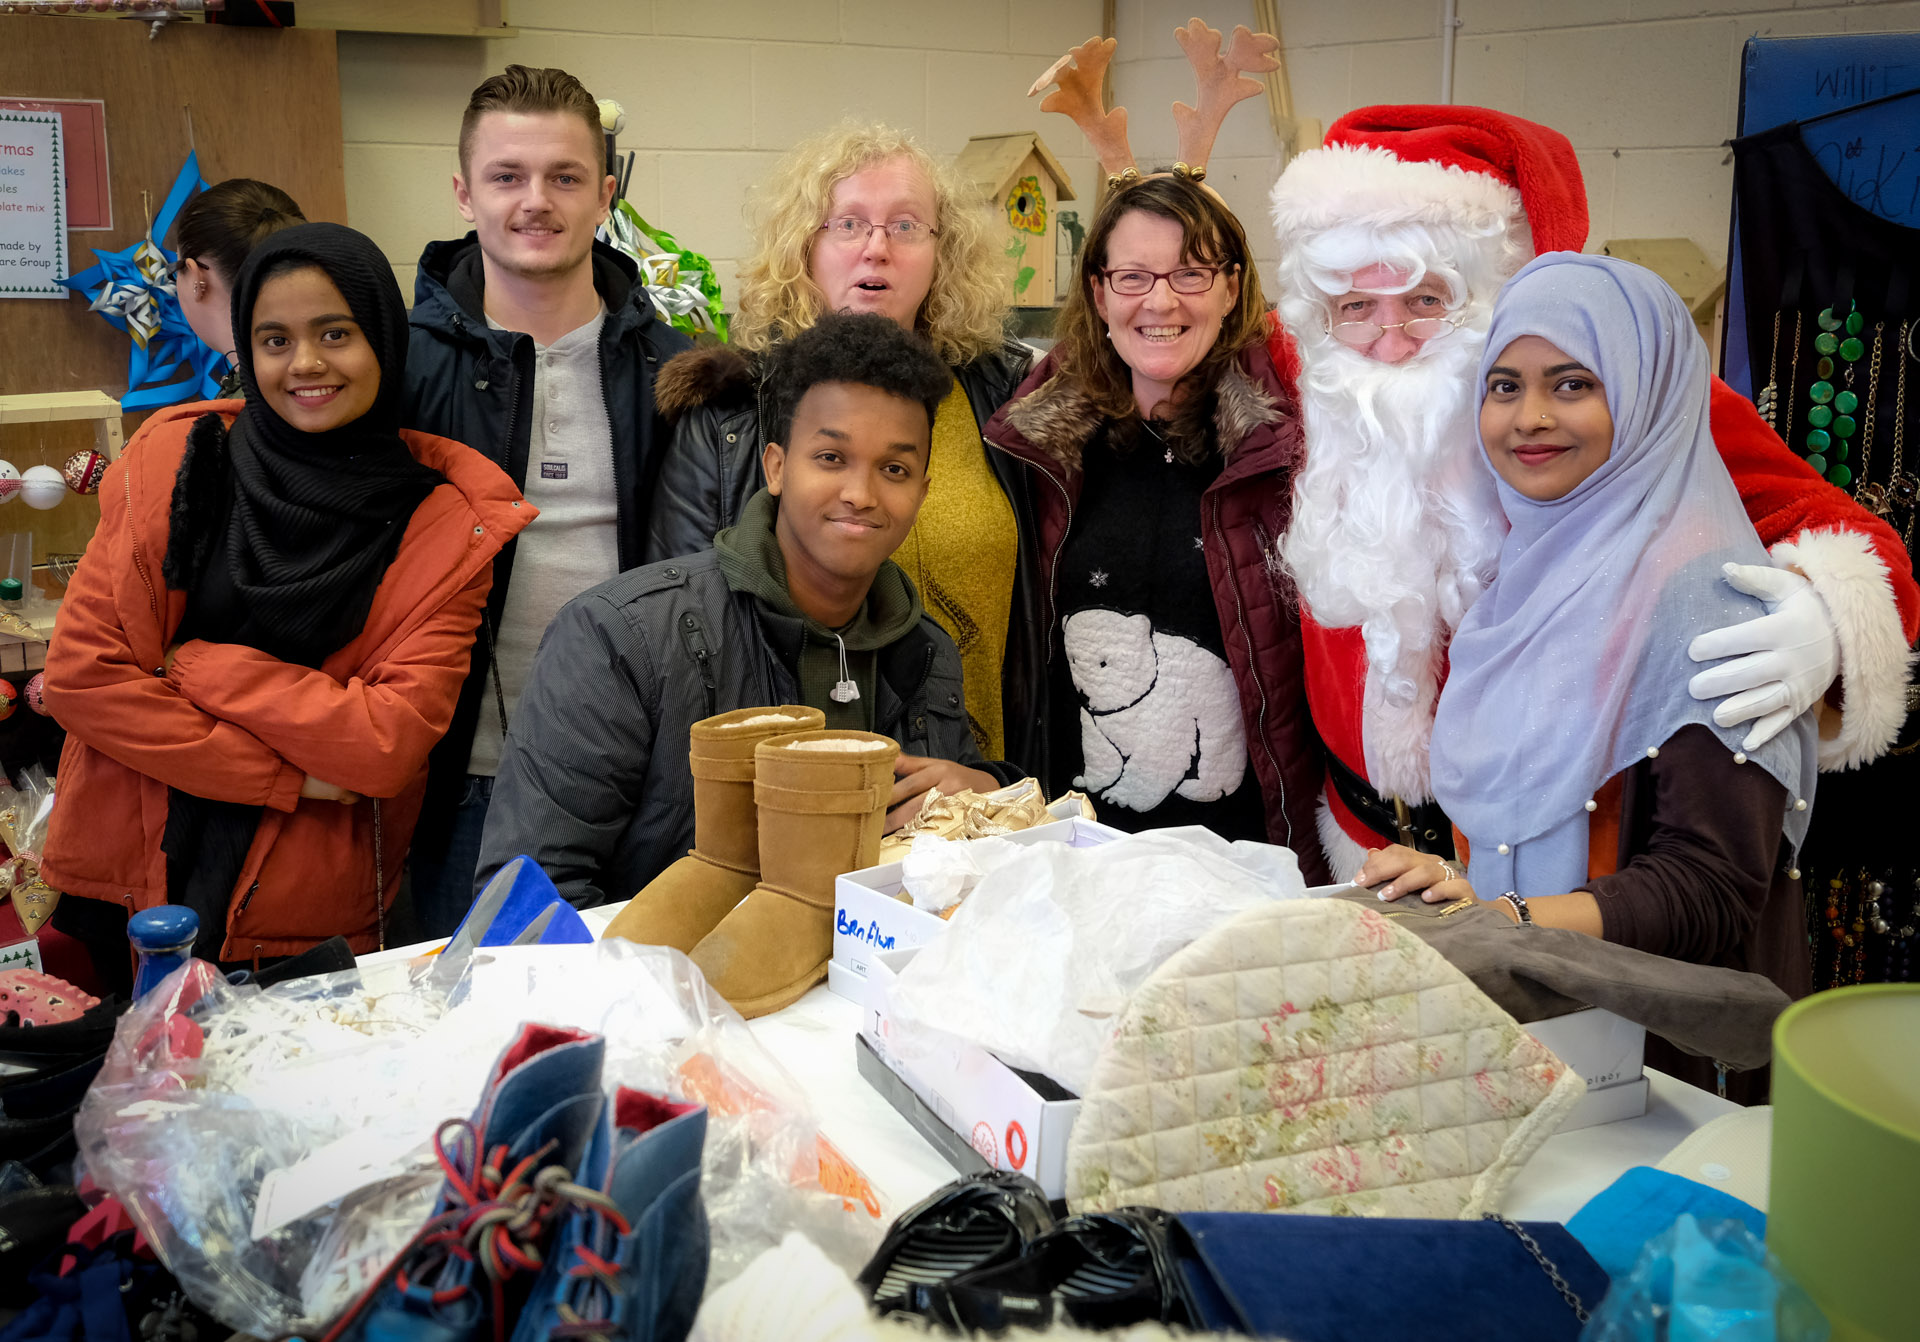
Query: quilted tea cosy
[[1310, 1056]]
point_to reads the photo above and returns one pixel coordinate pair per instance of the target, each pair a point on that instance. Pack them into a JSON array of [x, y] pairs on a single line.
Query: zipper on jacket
[[694, 636], [247, 898], [1253, 669], [620, 555], [1053, 568]]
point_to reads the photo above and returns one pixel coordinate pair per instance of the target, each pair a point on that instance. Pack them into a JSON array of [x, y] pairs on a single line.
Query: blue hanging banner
[[134, 290]]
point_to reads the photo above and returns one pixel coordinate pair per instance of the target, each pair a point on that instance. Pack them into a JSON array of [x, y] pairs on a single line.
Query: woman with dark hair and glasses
[[213, 236], [1166, 444]]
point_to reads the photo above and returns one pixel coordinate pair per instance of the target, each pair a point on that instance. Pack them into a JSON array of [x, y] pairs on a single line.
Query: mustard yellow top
[[961, 555]]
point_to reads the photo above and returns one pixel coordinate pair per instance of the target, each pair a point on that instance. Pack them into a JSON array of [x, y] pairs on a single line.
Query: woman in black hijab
[[248, 736]]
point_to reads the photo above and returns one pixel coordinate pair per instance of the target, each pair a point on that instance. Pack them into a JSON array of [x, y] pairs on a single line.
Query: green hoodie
[[750, 560]]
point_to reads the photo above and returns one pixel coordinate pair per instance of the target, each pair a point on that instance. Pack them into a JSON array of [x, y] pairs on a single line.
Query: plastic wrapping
[[275, 1144], [1038, 961], [967, 814], [25, 812], [1702, 1281]]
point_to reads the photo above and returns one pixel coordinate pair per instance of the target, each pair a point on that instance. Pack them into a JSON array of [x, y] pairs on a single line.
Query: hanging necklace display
[[1903, 488], [1830, 417], [1871, 495], [1768, 400], [1793, 380]]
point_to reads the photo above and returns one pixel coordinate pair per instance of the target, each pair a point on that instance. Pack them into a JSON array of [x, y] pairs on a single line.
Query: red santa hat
[[1445, 166]]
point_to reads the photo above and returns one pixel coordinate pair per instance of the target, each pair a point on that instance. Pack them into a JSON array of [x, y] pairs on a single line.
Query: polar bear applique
[[1162, 713]]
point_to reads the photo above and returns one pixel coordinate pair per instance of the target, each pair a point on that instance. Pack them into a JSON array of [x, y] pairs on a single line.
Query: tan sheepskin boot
[[685, 902], [823, 799]]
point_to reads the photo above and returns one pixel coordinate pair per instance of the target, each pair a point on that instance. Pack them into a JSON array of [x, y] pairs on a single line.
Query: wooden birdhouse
[[1022, 183]]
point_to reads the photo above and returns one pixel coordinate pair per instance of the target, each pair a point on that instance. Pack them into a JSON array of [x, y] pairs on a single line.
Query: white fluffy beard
[[1396, 527]]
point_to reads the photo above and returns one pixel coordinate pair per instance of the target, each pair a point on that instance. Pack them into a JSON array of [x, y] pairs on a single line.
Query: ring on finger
[[1449, 871]]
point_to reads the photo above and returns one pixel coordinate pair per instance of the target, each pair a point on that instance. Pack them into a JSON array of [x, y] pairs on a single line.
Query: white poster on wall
[[33, 235]]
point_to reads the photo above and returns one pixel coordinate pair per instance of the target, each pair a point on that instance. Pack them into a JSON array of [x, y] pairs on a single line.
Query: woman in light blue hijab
[[1593, 791]]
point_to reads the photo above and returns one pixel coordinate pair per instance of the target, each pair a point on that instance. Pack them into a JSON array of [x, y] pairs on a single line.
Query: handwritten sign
[[33, 230]]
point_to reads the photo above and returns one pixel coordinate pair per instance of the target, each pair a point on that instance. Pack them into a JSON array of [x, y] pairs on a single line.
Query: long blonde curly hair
[[965, 312]]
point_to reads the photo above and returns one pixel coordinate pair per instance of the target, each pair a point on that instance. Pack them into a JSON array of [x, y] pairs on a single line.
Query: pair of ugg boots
[[780, 808]]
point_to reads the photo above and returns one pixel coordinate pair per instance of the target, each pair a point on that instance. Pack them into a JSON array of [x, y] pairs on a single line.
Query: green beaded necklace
[[1830, 420]]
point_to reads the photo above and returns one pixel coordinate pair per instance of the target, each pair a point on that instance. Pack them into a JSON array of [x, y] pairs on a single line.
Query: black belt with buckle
[[1424, 827]]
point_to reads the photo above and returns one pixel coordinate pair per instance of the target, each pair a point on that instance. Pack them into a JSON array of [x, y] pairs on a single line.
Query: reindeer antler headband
[[1222, 84]]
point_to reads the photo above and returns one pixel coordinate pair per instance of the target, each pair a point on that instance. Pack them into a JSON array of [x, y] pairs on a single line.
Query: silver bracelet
[[1519, 902]]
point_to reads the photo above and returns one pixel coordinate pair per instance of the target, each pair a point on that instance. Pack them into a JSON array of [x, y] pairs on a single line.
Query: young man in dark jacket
[[537, 347], [797, 597]]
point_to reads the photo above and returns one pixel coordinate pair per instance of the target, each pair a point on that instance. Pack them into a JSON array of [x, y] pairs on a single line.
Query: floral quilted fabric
[[1310, 1056]]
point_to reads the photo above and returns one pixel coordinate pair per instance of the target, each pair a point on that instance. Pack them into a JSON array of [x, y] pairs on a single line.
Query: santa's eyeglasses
[[1359, 334]]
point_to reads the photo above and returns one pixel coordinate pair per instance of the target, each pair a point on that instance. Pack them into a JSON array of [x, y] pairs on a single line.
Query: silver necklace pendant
[[843, 692]]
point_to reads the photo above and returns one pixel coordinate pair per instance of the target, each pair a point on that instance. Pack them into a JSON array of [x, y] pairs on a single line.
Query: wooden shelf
[[49, 407], [431, 18]]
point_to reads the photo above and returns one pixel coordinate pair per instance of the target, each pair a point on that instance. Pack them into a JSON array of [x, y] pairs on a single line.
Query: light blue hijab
[[1573, 664]]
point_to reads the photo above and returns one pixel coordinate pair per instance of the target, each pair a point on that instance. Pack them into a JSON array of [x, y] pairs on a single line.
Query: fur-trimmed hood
[[703, 375], [1057, 418]]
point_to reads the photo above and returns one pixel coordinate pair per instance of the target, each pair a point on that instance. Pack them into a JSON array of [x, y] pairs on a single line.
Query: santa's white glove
[[1792, 654]]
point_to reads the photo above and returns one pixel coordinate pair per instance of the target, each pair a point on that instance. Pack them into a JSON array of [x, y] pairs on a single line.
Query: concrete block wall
[[1647, 90], [714, 91]]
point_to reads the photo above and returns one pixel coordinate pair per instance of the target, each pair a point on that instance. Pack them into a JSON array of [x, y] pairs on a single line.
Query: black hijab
[[278, 537]]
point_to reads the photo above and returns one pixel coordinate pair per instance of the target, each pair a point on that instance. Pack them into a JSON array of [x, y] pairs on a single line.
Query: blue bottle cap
[[164, 928]]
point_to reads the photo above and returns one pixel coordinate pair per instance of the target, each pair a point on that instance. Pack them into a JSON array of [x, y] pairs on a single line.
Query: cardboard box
[[1608, 1052], [1015, 1120], [1012, 1120], [868, 919]]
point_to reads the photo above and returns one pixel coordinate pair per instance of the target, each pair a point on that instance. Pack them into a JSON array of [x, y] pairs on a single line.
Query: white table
[[813, 1039]]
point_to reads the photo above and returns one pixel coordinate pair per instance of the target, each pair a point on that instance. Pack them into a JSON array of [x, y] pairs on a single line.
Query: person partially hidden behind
[[1595, 792], [797, 597]]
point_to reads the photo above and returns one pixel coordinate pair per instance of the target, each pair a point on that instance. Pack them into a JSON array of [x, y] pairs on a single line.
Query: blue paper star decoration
[[133, 289]]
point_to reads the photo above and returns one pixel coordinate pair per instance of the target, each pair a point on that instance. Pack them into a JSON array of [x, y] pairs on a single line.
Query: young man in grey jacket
[[798, 596]]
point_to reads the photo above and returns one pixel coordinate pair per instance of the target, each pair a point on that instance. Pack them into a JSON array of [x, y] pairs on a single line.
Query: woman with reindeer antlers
[[1165, 444]]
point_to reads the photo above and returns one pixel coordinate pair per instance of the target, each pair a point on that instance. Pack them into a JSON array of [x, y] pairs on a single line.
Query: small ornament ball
[[43, 487], [9, 481], [9, 699], [36, 693], [83, 471]]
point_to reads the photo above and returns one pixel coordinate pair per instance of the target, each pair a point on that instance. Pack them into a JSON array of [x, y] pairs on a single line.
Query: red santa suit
[[1395, 527]]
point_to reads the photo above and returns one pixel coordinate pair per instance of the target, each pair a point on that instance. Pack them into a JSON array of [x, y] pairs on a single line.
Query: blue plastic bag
[[1710, 1281]]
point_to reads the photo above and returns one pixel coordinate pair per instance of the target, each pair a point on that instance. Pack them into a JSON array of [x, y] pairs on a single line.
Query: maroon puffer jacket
[[1048, 424]]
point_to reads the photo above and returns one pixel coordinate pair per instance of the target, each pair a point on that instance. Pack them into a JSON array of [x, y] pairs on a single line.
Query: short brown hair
[[525, 88], [228, 220], [1210, 235]]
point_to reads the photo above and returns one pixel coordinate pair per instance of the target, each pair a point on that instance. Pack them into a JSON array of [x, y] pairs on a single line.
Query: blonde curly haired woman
[[862, 219]]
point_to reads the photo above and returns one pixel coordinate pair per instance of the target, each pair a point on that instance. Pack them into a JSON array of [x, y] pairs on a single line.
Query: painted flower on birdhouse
[[1026, 207]]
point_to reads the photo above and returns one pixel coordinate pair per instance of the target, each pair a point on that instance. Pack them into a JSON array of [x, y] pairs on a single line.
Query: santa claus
[[1395, 237]]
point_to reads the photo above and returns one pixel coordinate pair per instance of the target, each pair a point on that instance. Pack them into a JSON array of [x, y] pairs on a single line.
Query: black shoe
[[981, 1221], [1104, 1270], [54, 1048], [34, 1220]]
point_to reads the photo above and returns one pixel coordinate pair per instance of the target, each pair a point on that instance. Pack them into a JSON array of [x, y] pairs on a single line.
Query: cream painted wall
[[714, 90], [1646, 89]]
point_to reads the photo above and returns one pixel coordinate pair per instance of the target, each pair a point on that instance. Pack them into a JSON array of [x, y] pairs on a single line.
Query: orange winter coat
[[232, 723]]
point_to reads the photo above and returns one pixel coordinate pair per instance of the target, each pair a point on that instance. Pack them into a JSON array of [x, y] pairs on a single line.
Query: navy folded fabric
[[1359, 1279]]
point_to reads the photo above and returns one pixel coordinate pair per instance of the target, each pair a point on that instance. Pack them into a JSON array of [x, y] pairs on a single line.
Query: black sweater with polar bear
[[1145, 715]]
